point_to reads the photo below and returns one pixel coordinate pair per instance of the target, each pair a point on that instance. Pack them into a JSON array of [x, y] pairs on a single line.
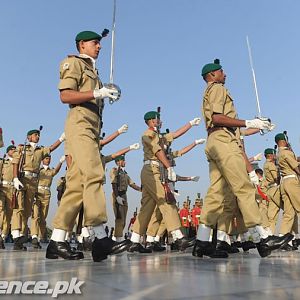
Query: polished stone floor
[[158, 276]]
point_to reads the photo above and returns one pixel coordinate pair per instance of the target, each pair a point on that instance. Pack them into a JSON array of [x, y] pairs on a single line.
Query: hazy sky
[[161, 47]]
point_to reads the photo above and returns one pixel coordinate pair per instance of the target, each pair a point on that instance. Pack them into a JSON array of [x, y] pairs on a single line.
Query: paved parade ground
[[169, 275]]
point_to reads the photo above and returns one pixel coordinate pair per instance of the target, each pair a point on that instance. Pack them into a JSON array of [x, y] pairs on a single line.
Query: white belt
[[41, 187], [30, 174], [272, 185], [4, 182], [289, 176], [151, 162]]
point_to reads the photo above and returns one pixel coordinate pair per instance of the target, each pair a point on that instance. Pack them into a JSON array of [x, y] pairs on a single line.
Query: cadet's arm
[[187, 149], [109, 139], [182, 130], [55, 145], [74, 97], [15, 170], [222, 120], [120, 152], [135, 187], [162, 157], [57, 168]]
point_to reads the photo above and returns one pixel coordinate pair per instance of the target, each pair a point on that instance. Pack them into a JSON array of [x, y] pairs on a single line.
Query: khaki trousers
[[30, 190], [153, 194], [263, 208], [85, 175], [40, 211], [155, 222], [227, 170], [120, 212], [8, 215], [162, 229], [275, 204]]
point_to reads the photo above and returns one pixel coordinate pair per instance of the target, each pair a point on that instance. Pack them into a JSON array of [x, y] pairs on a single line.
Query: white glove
[[62, 137], [62, 159], [171, 174], [195, 122], [17, 183], [200, 141], [123, 128], [105, 93], [272, 127], [195, 178], [135, 146], [258, 123], [253, 177], [257, 157], [120, 200]]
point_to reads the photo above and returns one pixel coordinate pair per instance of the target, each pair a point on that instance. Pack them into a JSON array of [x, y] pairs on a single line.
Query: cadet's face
[[90, 48], [220, 76], [34, 138], [10, 152], [46, 161]]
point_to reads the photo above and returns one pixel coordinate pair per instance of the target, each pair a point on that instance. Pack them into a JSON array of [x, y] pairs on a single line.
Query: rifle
[[2, 165], [118, 214], [277, 166], [170, 198]]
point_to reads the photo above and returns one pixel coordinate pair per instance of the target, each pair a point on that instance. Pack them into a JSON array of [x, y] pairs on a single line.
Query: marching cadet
[[26, 165], [120, 182], [290, 186], [42, 198], [60, 188], [157, 227], [6, 195], [227, 167], [153, 192], [81, 88]]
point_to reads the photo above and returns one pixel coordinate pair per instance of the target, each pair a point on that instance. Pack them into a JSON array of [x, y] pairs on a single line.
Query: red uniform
[[196, 211], [184, 217]]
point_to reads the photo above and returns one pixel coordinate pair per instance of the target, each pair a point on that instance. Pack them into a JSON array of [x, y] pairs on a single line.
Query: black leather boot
[[224, 246], [36, 244], [202, 248], [184, 243], [155, 247], [137, 247], [267, 245], [106, 246], [247, 245], [18, 243], [63, 250]]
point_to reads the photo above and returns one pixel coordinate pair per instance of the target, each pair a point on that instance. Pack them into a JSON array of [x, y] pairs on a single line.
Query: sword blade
[[112, 54], [254, 78]]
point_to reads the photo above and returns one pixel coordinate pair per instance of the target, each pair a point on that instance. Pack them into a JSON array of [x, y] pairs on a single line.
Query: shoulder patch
[[66, 66]]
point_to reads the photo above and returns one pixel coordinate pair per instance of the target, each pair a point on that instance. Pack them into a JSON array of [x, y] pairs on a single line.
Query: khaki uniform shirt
[[287, 162], [217, 99], [151, 146], [33, 157], [7, 170], [270, 174], [46, 177], [77, 73], [124, 179]]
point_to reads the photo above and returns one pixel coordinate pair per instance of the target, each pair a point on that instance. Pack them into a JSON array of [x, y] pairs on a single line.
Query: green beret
[[280, 137], [120, 157], [10, 147], [269, 151], [211, 67], [30, 132], [151, 115], [87, 36], [47, 155]]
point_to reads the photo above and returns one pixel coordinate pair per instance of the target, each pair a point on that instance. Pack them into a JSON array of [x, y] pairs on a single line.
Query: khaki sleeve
[[16, 155], [108, 158], [46, 151], [169, 137], [151, 143], [113, 175], [217, 98], [176, 154], [290, 159], [70, 74], [53, 172], [130, 181]]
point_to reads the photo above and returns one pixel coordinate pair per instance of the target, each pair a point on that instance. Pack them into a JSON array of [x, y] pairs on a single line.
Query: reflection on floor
[[170, 275]]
